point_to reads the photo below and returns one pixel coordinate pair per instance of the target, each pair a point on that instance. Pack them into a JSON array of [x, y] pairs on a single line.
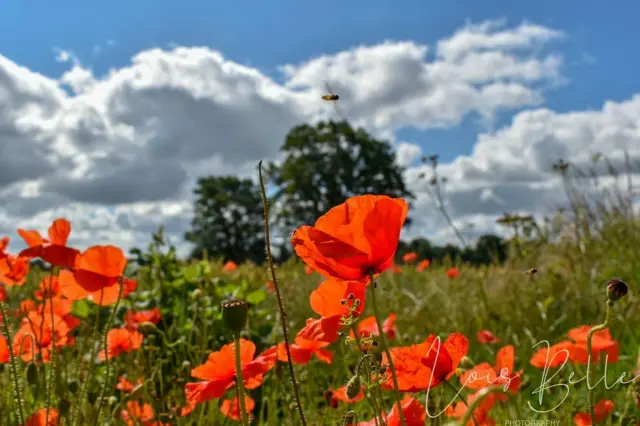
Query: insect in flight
[[331, 96]]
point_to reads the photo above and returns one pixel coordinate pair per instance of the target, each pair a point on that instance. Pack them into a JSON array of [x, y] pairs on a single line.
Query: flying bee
[[331, 97]]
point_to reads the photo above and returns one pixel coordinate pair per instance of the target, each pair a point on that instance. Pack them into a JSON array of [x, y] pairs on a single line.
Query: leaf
[[256, 297], [81, 308]]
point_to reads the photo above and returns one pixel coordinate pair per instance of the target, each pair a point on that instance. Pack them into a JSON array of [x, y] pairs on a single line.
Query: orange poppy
[[4, 350], [302, 351], [53, 250], [271, 288], [601, 343], [486, 337], [72, 290], [3, 296], [424, 264], [126, 386], [230, 266], [99, 267], [484, 374], [368, 327], [443, 359], [39, 418], [396, 269], [480, 414], [13, 269], [138, 413], [553, 356], [218, 373], [414, 414], [338, 298], [602, 410], [453, 273], [353, 239], [231, 407], [410, 257], [413, 375], [121, 340], [322, 329], [341, 395], [133, 319]]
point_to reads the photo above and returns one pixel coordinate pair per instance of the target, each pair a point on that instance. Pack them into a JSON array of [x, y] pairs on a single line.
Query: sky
[[109, 112]]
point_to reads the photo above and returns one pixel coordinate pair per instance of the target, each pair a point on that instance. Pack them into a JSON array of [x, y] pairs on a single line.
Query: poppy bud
[[467, 362], [234, 315], [353, 387], [616, 290]]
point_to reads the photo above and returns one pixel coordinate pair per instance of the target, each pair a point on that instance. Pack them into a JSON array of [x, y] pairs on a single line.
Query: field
[[164, 325]]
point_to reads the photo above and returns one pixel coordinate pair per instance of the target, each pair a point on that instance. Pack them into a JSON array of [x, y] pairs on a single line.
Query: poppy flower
[[553, 356], [218, 373], [414, 414], [230, 266], [133, 319], [99, 267], [338, 298], [36, 336], [410, 257], [413, 375], [126, 386], [121, 340], [480, 414], [424, 264], [72, 290], [14, 270], [453, 273], [340, 395], [443, 359], [484, 374], [353, 239], [271, 288], [322, 329], [601, 343], [137, 413], [486, 337], [368, 327], [396, 269], [39, 418], [302, 351], [231, 407], [53, 250], [4, 350], [602, 410]]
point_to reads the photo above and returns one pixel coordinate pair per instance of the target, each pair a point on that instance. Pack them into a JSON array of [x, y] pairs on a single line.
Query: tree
[[326, 164], [228, 221]]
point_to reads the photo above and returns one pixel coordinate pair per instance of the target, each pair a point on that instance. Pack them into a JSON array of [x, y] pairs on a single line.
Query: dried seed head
[[616, 290], [234, 315]]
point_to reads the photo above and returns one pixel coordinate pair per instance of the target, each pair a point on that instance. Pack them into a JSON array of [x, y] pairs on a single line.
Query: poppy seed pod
[[353, 387], [234, 315], [616, 290]]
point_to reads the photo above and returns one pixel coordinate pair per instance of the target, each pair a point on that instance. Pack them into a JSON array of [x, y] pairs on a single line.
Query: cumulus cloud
[[118, 154]]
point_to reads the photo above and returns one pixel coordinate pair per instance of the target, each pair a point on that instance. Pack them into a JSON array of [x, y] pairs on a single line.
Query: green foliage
[[326, 164], [228, 220]]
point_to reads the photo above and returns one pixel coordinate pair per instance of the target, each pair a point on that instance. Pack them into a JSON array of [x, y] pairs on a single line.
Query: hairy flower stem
[[239, 380], [283, 315], [385, 347], [468, 415], [17, 391], [52, 369], [371, 398], [105, 333], [595, 329]]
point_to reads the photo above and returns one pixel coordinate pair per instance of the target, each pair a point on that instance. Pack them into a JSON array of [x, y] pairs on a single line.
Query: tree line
[[323, 166]]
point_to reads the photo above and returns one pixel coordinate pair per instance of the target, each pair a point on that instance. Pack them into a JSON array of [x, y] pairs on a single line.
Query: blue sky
[[598, 49]]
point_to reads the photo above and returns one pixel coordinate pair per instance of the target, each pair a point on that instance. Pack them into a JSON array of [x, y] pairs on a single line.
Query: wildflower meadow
[[349, 331]]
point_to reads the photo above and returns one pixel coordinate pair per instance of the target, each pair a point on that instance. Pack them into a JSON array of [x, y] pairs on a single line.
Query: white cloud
[[118, 154]]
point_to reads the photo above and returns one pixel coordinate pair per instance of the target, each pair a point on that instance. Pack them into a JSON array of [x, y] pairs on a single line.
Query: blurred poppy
[[602, 409], [368, 327], [410, 257], [486, 337], [484, 374], [302, 351], [231, 407], [39, 418], [121, 340], [453, 273], [424, 264], [229, 266], [414, 414]]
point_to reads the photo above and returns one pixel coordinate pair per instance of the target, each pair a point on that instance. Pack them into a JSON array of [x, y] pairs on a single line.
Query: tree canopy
[[228, 220], [326, 164]]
